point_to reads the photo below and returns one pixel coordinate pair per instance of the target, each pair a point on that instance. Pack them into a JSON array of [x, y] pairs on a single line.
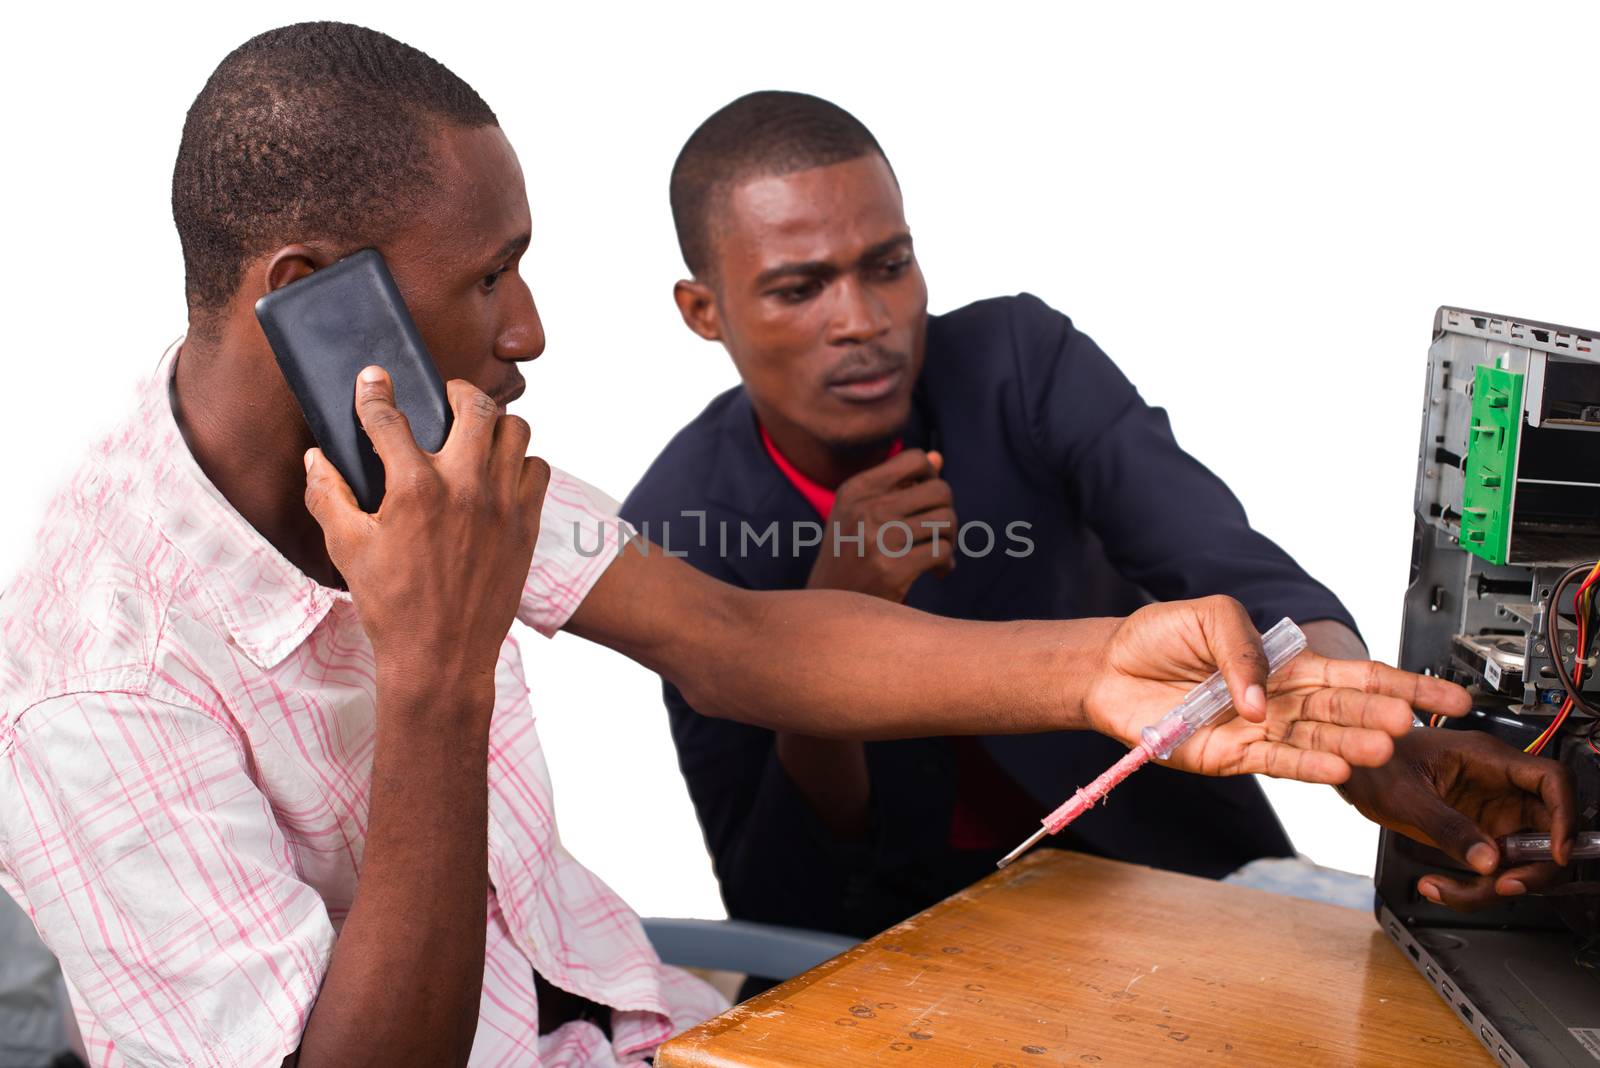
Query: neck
[[824, 463], [241, 422]]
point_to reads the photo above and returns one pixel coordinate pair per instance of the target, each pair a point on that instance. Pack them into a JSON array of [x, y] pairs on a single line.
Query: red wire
[[1549, 732], [1587, 583], [1539, 743]]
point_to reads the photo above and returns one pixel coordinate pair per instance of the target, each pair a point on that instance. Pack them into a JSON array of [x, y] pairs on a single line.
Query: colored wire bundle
[[1583, 609]]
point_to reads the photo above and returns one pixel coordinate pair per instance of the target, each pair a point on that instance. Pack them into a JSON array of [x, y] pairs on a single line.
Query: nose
[[859, 315], [521, 334]]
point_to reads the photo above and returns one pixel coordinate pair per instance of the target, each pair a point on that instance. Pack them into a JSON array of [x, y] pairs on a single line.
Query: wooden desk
[[1067, 959]]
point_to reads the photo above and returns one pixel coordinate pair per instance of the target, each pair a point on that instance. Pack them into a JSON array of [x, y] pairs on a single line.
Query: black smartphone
[[324, 329]]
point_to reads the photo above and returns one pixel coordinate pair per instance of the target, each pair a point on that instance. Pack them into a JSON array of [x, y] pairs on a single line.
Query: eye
[[489, 280], [895, 267], [798, 294]]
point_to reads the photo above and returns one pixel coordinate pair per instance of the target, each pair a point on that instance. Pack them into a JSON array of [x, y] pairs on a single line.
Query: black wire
[[1553, 636]]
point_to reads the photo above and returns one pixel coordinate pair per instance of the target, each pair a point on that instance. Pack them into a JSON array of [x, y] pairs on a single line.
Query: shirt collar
[[268, 605]]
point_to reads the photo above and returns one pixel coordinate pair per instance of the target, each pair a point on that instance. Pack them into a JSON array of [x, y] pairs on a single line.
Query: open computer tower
[[1507, 513]]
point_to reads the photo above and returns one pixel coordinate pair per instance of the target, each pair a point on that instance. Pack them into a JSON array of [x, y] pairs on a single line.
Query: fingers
[[1486, 891], [1358, 746], [1354, 744], [1555, 787], [1328, 732], [1526, 878], [329, 500], [480, 435], [472, 432], [385, 424], [1350, 708], [909, 465], [1431, 694], [923, 496], [895, 536], [1424, 693], [904, 512], [1456, 834], [924, 557], [509, 450], [1234, 646], [1463, 895], [1305, 765], [534, 481]]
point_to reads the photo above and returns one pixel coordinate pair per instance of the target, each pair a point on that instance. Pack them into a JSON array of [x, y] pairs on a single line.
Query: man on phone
[[269, 779], [990, 464]]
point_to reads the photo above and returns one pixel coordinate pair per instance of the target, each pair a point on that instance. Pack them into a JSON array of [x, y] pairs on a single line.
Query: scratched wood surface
[[1068, 959]]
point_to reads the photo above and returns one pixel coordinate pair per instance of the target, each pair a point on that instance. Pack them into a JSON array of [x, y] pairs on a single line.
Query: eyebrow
[[511, 248], [824, 269]]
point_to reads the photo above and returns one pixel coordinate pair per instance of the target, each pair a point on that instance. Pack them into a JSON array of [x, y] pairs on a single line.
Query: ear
[[698, 306], [292, 263]]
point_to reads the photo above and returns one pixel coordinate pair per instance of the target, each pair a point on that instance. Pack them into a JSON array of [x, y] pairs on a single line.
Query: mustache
[[870, 361]]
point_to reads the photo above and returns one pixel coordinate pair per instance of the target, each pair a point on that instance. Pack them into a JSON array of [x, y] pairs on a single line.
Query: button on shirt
[[186, 740]]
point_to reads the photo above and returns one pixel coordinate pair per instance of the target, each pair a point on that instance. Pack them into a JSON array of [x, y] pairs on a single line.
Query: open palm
[[1315, 719]]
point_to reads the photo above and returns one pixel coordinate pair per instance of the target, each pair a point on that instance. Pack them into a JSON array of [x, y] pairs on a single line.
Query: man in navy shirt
[[989, 463]]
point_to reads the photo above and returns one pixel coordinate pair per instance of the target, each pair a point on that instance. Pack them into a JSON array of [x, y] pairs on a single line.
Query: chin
[[864, 436]]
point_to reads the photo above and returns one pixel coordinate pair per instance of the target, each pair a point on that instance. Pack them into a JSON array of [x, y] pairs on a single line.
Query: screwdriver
[[1201, 707], [1530, 847]]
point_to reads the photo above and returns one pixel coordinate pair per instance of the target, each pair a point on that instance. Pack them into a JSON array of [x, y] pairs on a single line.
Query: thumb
[[936, 458], [1235, 647], [328, 496], [1458, 836]]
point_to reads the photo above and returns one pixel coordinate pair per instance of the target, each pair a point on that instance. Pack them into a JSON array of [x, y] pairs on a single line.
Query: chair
[[765, 950]]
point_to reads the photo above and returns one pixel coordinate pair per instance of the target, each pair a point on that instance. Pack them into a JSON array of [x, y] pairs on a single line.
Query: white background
[[1254, 209]]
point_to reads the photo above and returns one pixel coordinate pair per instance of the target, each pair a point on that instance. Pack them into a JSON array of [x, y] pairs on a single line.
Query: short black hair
[[316, 130], [765, 133]]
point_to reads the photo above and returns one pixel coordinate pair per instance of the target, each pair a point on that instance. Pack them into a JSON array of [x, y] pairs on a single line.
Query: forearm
[[406, 976], [839, 665], [847, 666], [831, 774]]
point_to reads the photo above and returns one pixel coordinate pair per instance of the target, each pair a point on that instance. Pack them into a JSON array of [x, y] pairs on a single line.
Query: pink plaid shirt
[[186, 733]]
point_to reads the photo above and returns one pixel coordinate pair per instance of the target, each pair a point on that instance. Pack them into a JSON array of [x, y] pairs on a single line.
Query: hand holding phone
[[438, 574], [323, 330]]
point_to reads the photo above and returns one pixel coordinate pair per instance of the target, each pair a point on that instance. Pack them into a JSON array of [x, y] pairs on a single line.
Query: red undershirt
[[990, 810], [820, 497]]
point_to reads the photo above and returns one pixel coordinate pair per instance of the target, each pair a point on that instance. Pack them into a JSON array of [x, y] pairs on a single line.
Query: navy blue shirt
[[1038, 427]]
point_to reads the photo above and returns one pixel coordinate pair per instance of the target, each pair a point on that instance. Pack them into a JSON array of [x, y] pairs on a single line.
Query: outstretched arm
[[844, 665], [837, 664]]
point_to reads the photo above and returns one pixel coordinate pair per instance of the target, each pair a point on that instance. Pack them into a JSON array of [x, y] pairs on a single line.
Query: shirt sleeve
[[1167, 523], [580, 533], [156, 872]]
